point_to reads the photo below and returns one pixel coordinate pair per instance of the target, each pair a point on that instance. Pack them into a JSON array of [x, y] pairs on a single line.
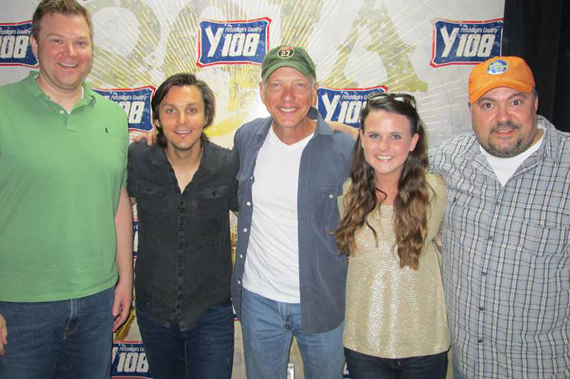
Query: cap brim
[[522, 87], [285, 63]]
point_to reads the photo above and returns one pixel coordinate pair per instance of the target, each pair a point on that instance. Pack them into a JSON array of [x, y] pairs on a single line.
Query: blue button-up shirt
[[325, 165], [507, 260]]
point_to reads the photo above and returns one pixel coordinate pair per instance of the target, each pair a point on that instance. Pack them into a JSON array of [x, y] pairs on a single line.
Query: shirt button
[[61, 111], [484, 273], [248, 204], [251, 178], [480, 340], [241, 255], [330, 195], [481, 309], [245, 230], [490, 238], [239, 281]]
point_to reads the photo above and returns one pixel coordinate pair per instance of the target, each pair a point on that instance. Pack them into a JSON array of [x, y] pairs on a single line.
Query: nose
[[182, 118], [502, 113], [70, 49], [382, 143], [287, 92]]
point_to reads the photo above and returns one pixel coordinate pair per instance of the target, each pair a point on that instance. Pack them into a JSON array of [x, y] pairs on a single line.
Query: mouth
[[287, 110], [505, 129], [383, 157], [68, 65]]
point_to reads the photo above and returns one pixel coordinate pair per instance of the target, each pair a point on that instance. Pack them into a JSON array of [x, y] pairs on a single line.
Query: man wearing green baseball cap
[[289, 280]]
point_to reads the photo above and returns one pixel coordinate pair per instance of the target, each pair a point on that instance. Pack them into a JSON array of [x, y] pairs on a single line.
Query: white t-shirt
[[272, 264]]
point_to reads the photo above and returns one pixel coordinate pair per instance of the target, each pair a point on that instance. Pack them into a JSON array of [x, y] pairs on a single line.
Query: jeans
[[268, 329], [362, 366], [59, 339], [204, 352], [456, 373]]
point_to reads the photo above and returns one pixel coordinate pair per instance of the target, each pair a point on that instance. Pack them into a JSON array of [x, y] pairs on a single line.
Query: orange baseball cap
[[512, 72]]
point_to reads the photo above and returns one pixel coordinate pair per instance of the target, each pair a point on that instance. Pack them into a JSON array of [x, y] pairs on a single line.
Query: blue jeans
[[204, 352], [268, 329], [59, 339], [362, 366], [456, 373]]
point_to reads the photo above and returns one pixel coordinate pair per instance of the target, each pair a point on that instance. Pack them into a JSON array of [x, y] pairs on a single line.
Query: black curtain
[[539, 32]]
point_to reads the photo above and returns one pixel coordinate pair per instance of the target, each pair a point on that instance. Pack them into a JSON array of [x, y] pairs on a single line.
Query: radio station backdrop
[[423, 47]]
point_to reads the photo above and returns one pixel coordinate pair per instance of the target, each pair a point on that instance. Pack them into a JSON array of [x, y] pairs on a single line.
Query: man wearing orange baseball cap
[[507, 235]]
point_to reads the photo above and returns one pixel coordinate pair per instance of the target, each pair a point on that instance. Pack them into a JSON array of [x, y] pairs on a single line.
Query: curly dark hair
[[411, 203]]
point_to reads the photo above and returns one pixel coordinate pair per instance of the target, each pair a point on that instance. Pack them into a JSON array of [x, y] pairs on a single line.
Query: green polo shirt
[[60, 178]]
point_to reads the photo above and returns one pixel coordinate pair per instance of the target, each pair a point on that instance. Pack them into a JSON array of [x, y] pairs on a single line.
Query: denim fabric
[[362, 366], [268, 329], [204, 352], [325, 165], [60, 339], [457, 374]]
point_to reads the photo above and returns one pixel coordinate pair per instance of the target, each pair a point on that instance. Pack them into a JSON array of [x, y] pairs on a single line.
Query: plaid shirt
[[507, 260]]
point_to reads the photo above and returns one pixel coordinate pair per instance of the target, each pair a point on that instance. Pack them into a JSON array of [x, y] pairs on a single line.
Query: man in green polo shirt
[[65, 216]]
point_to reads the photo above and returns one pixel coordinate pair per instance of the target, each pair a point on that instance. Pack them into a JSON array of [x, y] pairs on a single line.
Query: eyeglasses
[[382, 96]]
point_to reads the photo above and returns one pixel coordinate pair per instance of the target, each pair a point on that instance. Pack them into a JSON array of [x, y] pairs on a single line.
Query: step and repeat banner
[[426, 48]]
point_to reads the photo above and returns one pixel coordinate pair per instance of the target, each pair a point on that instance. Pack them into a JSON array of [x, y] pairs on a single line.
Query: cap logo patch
[[286, 52], [497, 67]]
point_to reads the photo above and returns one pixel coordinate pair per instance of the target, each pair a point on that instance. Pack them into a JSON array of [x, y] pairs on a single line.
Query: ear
[[34, 44], [536, 104], [262, 92], [415, 139]]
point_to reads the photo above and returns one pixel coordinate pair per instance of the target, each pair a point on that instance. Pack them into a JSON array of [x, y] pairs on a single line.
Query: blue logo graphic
[[129, 360], [497, 67], [15, 48], [135, 102], [465, 42], [233, 42], [344, 105]]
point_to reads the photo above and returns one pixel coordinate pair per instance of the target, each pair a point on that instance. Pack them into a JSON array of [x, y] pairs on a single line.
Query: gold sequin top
[[394, 312]]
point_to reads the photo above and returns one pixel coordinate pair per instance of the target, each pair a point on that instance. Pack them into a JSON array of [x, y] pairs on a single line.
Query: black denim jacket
[[183, 261]]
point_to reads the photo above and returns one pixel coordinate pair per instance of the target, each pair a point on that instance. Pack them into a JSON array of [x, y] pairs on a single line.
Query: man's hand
[[122, 302], [150, 137], [347, 129], [3, 335]]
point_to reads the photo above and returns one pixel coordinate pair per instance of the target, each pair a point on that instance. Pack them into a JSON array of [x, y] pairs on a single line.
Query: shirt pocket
[[151, 199], [326, 212], [213, 202], [545, 241]]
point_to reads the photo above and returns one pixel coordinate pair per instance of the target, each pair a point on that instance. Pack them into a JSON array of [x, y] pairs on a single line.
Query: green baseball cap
[[288, 56]]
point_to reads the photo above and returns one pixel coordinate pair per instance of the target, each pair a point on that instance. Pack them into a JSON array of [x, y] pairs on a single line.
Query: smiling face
[[288, 96], [64, 52], [387, 141], [182, 118], [504, 121]]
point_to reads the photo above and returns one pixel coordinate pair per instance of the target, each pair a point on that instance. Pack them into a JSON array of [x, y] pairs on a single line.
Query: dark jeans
[[203, 352], [59, 339], [362, 366]]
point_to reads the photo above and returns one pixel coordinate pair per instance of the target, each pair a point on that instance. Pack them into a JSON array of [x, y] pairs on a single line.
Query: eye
[[396, 136], [168, 110], [517, 102], [373, 135], [82, 43], [486, 105], [275, 85], [192, 110]]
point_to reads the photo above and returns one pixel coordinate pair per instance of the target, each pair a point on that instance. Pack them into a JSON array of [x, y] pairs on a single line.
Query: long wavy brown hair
[[411, 203]]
